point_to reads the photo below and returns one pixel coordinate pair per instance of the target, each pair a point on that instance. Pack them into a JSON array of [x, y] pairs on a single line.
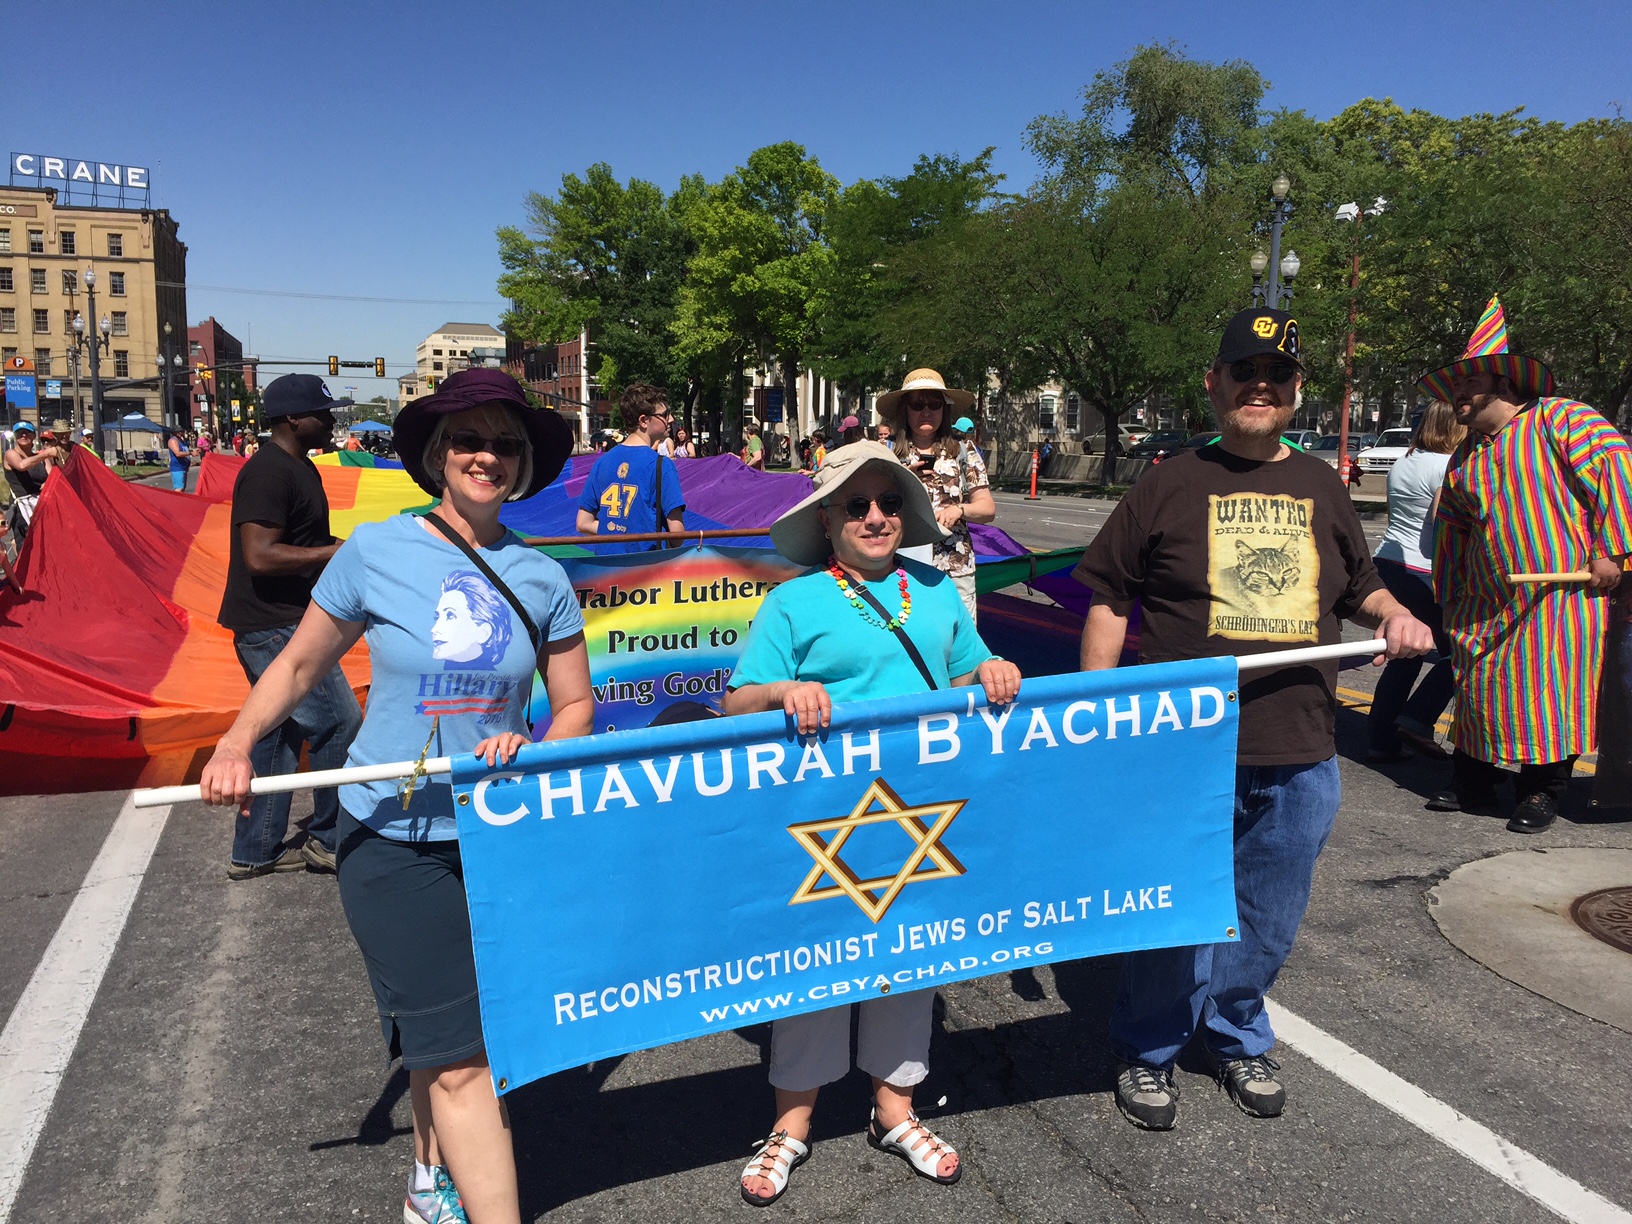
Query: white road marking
[[1534, 1178], [44, 1027]]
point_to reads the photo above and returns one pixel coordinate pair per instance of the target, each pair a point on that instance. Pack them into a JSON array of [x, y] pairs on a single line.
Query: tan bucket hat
[[798, 534], [926, 380]]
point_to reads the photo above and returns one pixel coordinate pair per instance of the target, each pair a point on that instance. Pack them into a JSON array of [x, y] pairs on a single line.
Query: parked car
[[1326, 448], [1390, 447], [1155, 446], [1303, 439]]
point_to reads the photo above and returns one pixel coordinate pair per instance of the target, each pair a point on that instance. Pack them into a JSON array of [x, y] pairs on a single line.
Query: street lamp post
[[96, 365], [1281, 210], [1258, 263], [1352, 212]]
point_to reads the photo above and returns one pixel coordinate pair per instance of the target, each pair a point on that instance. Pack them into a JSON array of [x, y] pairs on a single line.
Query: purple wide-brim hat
[[551, 437]]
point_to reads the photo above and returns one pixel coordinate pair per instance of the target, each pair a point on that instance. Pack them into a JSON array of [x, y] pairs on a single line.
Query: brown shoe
[[317, 856], [290, 860]]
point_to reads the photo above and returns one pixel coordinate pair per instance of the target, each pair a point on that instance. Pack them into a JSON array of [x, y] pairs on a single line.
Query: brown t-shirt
[[1230, 556]]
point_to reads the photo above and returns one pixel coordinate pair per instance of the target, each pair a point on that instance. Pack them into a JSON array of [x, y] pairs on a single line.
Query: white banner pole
[[278, 784]]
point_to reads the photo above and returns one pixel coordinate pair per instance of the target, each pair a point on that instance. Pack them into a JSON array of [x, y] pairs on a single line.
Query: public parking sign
[[20, 391]]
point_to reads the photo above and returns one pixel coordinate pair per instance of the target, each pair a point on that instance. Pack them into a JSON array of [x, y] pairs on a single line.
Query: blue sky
[[370, 149]]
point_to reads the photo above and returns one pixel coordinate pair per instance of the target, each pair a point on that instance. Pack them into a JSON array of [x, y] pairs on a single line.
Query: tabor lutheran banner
[[635, 889], [666, 628]]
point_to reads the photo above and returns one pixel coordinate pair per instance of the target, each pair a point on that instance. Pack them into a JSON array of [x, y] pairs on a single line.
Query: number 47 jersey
[[622, 493]]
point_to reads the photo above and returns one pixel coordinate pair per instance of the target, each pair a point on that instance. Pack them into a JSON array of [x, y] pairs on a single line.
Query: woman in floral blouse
[[953, 471]]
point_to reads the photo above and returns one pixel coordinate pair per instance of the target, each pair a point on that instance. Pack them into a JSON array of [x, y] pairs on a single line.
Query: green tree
[[874, 229], [606, 256], [761, 252], [1130, 248]]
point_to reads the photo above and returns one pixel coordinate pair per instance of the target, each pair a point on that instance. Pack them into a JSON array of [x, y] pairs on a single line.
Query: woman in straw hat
[[458, 613], [807, 650], [951, 469]]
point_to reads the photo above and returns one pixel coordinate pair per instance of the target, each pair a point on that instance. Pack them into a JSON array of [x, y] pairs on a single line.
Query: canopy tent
[[364, 427], [137, 423]]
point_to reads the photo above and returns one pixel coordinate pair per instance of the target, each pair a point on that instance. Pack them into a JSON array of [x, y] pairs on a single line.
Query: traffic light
[[379, 367], [334, 367]]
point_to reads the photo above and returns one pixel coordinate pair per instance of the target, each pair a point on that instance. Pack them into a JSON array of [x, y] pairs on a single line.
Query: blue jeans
[[326, 719], [1283, 816], [1394, 698]]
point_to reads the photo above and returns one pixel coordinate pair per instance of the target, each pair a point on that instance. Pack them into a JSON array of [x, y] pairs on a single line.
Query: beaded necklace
[[895, 622]]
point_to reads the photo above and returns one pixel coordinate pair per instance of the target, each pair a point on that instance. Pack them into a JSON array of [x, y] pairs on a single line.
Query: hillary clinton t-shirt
[[445, 647]]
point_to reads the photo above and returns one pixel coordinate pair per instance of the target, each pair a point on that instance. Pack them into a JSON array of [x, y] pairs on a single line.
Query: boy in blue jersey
[[633, 488]]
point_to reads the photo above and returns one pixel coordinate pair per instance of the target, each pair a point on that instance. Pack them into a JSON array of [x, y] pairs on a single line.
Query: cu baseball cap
[[295, 395], [1260, 332]]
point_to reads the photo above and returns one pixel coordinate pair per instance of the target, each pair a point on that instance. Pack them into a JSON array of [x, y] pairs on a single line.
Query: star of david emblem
[[875, 896]]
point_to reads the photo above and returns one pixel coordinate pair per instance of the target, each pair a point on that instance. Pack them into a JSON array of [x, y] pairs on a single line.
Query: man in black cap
[[280, 543], [1239, 548]]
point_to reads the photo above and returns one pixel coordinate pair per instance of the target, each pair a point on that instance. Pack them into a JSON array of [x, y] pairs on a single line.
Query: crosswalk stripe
[[1529, 1175]]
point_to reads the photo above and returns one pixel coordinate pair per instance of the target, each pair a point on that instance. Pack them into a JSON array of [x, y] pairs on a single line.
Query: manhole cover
[[1606, 915]]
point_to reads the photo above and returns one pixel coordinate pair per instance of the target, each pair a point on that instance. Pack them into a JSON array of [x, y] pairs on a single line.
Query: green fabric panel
[[995, 575]]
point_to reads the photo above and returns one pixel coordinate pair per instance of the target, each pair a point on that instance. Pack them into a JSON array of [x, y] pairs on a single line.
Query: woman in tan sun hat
[[864, 623], [953, 471]]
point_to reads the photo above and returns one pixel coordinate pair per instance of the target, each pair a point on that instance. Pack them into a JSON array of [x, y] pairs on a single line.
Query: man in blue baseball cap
[[280, 544]]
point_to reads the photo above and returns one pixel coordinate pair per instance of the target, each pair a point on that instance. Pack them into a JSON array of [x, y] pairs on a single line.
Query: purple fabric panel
[[992, 541]]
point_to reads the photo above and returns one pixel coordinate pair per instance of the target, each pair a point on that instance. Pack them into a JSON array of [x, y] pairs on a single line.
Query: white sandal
[[925, 1158], [775, 1166]]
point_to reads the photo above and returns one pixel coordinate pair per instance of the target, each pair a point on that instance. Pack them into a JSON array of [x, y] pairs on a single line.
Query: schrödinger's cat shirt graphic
[[1263, 568]]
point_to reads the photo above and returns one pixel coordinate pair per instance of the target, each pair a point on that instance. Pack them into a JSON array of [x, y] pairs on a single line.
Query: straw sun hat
[[799, 534], [926, 380]]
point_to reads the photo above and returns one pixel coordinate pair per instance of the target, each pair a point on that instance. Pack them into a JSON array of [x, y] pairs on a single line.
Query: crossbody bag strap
[[487, 572], [662, 519], [900, 632]]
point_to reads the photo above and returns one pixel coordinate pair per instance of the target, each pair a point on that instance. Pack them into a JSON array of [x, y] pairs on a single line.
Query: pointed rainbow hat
[[1487, 350]]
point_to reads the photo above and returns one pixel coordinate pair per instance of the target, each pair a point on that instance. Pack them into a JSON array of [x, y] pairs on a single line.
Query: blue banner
[[637, 888]]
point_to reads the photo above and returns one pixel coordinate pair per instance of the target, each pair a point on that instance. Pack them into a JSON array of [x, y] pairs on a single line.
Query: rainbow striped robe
[[1546, 494]]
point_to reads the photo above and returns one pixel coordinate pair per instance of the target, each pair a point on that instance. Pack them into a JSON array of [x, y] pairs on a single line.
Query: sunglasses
[[470, 442], [889, 505], [1246, 371], [926, 405]]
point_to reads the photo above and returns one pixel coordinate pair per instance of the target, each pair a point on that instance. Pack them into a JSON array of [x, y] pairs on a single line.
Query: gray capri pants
[[892, 1043]]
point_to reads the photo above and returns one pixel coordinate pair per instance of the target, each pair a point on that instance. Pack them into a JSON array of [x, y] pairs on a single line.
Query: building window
[[116, 245], [70, 281], [121, 363], [6, 283], [36, 280], [121, 325], [42, 322], [68, 322], [42, 362], [436, 365], [5, 239], [116, 284], [66, 243], [436, 353], [195, 348], [1045, 413], [6, 354], [36, 242], [8, 318], [1073, 412]]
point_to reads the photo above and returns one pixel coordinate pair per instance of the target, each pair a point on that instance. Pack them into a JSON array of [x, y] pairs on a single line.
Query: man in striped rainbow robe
[[1541, 484]]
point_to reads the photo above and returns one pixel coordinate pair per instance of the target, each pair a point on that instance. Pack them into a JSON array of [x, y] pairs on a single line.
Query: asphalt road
[[230, 1068]]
